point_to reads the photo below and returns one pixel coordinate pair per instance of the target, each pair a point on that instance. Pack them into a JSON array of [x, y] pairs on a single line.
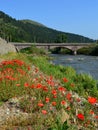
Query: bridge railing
[[52, 44]]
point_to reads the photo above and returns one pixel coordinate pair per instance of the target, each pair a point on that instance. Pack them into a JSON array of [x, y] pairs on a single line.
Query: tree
[[97, 41], [61, 38]]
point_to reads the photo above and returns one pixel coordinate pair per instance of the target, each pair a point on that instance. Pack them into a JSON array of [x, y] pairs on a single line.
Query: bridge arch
[[58, 48], [71, 48]]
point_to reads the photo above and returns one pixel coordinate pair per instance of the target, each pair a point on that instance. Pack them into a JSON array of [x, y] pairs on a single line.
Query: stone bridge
[[71, 46]]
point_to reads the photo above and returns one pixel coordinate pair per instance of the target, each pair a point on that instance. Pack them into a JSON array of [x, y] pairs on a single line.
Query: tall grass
[[84, 84]]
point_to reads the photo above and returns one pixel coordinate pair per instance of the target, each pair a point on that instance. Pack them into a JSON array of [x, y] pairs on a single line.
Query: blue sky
[[73, 16]]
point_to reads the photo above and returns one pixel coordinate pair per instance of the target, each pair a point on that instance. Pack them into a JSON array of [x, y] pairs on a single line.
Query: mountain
[[32, 22], [30, 31]]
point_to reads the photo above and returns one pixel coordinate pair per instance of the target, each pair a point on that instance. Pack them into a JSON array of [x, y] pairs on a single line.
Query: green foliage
[[65, 126], [85, 50], [34, 50], [95, 51], [60, 50], [61, 38], [91, 50], [29, 31], [1, 103], [87, 84], [60, 126]]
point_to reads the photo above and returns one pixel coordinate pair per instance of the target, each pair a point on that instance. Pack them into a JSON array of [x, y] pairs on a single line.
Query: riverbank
[[49, 93]]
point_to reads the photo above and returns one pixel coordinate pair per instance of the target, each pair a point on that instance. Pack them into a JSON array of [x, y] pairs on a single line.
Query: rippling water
[[81, 63]]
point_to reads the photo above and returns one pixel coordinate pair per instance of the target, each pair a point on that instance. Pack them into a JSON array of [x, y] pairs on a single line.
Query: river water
[[81, 63]]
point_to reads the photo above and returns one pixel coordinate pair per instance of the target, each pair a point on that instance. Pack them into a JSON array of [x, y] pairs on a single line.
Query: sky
[[72, 16]]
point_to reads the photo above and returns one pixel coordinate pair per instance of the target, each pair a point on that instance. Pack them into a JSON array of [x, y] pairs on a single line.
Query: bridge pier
[[75, 52]]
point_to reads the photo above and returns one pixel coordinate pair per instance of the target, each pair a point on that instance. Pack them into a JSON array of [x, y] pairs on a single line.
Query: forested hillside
[[30, 31]]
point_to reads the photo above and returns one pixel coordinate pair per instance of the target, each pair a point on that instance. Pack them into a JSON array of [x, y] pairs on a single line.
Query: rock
[[64, 116], [6, 47]]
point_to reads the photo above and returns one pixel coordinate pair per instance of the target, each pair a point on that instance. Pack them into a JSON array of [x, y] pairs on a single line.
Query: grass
[[83, 84], [48, 93]]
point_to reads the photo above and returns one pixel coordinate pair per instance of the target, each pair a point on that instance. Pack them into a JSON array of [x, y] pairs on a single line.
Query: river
[[81, 63]]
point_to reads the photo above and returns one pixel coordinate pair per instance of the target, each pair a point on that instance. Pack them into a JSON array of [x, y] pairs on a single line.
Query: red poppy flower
[[68, 108], [29, 68], [54, 103], [54, 96], [51, 77], [47, 99], [52, 83], [39, 85], [63, 102], [96, 117], [40, 104], [80, 116], [65, 80], [17, 85], [36, 70], [32, 86], [26, 85], [92, 100], [78, 99], [54, 92], [68, 96], [91, 112], [45, 88], [0, 79], [61, 88], [44, 111]]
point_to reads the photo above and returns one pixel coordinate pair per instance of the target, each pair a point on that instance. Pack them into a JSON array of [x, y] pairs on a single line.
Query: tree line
[[19, 31]]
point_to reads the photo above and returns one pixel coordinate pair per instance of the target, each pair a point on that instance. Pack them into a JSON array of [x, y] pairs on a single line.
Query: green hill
[[30, 31], [32, 22]]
